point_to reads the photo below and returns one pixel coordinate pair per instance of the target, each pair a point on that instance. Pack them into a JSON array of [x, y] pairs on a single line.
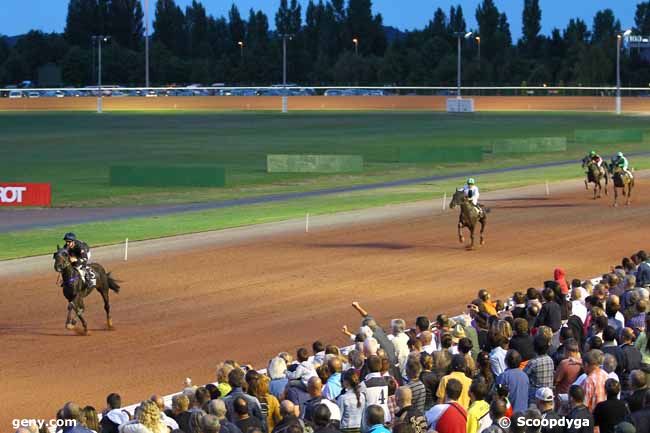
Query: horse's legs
[[79, 308], [596, 189], [107, 307], [629, 193], [483, 223], [461, 239], [615, 197], [471, 233], [69, 321]]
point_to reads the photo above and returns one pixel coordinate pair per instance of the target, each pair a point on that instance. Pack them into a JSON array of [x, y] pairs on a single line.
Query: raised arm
[[360, 309]]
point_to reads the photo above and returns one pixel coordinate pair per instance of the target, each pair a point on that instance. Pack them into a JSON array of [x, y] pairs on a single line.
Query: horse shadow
[[366, 245], [540, 206]]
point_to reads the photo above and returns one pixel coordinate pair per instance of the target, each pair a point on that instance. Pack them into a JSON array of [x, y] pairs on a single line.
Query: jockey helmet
[[471, 181], [70, 237], [592, 153], [620, 154]]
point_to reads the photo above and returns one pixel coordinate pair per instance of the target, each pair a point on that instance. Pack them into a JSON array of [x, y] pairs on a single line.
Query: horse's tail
[[112, 283]]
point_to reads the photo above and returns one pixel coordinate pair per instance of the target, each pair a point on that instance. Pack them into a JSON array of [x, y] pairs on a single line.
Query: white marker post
[[548, 191], [444, 202], [126, 249], [307, 223]]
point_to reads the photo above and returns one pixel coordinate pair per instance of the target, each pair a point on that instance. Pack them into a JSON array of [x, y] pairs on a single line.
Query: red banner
[[25, 194]]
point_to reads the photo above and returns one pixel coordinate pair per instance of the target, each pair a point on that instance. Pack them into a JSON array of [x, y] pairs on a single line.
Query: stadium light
[[146, 43], [284, 56], [478, 42], [459, 35], [99, 39], [355, 41], [619, 38], [241, 48]]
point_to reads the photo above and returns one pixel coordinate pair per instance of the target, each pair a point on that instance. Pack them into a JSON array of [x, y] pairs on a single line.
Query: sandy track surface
[[183, 310]]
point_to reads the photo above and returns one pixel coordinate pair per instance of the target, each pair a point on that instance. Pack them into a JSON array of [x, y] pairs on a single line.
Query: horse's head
[[61, 259], [458, 198]]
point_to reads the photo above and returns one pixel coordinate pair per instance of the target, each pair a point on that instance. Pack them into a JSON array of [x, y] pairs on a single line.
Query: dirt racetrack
[[180, 314], [274, 103]]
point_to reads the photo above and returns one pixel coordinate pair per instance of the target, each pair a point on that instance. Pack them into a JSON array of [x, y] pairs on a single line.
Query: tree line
[[191, 46]]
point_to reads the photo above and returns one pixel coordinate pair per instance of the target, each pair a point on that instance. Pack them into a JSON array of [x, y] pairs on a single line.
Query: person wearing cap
[[471, 191], [595, 158], [621, 161], [79, 253], [544, 401], [579, 412]]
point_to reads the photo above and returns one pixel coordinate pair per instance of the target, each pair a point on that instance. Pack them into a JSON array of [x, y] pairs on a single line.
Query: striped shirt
[[419, 394], [594, 386]]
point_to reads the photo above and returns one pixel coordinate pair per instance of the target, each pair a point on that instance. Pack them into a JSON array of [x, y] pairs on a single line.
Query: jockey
[[621, 161], [471, 191], [80, 254], [596, 159]]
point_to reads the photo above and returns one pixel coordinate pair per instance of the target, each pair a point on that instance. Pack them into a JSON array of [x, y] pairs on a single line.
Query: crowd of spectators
[[536, 362]]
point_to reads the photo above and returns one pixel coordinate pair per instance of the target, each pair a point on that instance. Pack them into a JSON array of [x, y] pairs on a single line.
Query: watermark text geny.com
[[40, 423]]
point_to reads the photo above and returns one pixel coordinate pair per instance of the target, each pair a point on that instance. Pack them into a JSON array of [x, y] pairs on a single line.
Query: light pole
[[355, 41], [284, 56], [478, 41], [619, 38], [241, 49], [466, 36], [146, 43], [99, 39]]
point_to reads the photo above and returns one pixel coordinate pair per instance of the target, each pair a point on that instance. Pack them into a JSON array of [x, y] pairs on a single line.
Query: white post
[[548, 191], [307, 223], [126, 249], [285, 104], [444, 202], [618, 74]]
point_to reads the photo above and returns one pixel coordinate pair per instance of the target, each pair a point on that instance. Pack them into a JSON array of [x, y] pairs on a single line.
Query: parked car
[[15, 94]]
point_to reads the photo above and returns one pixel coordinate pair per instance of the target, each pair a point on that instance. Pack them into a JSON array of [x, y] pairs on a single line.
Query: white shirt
[[475, 193], [335, 411], [579, 309]]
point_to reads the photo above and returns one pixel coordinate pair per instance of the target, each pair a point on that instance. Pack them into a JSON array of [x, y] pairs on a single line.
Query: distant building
[[642, 44]]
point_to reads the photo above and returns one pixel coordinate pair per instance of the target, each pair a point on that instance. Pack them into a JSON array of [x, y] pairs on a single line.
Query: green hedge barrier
[[609, 135], [530, 145], [442, 154], [314, 163], [168, 175]]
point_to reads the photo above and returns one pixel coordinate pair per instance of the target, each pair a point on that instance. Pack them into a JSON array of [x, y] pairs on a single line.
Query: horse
[[624, 181], [469, 217], [595, 175], [75, 290]]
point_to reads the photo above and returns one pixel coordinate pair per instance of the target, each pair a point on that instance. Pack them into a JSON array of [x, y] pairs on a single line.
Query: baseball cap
[[624, 427], [544, 394]]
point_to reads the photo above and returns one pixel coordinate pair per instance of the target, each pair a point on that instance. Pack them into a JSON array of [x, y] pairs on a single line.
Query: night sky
[[20, 16]]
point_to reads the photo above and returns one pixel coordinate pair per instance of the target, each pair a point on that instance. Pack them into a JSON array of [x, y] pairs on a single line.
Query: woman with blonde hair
[[223, 369], [149, 416], [259, 388], [90, 418]]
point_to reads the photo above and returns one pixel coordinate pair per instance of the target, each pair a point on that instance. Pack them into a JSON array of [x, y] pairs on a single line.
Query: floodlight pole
[[459, 35], [146, 43], [619, 39], [99, 39], [285, 36]]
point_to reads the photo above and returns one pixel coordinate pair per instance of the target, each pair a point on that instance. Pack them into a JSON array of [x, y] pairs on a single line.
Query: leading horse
[[75, 290], [470, 217], [623, 181], [595, 175]]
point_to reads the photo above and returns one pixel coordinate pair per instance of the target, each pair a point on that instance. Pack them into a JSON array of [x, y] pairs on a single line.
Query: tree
[[125, 23], [288, 19], [642, 18], [86, 18], [488, 18], [456, 20], [531, 26], [196, 23], [606, 27], [236, 26], [439, 25], [169, 27]]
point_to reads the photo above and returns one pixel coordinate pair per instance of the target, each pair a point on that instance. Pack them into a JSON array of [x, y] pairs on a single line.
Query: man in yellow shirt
[[458, 367], [478, 415]]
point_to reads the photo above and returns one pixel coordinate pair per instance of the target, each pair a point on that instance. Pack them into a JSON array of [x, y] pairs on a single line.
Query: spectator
[[516, 381], [498, 356], [429, 379], [419, 393], [594, 383], [422, 324], [450, 416], [540, 369], [579, 411], [378, 333], [113, 417], [638, 386], [210, 424], [519, 309], [428, 344], [637, 322], [243, 419], [180, 411], [643, 344], [521, 341], [375, 387], [375, 419], [566, 333], [569, 369], [578, 303], [223, 370], [498, 409], [318, 349], [478, 414], [351, 402], [289, 412], [91, 420], [259, 388], [322, 422], [149, 416], [458, 368], [544, 401], [609, 341], [641, 418], [614, 316], [550, 314], [628, 357], [277, 371], [236, 381], [486, 302], [202, 396], [168, 421], [465, 348], [643, 270], [611, 411], [314, 387], [218, 409], [399, 339], [559, 277], [629, 288], [407, 412], [333, 387]]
